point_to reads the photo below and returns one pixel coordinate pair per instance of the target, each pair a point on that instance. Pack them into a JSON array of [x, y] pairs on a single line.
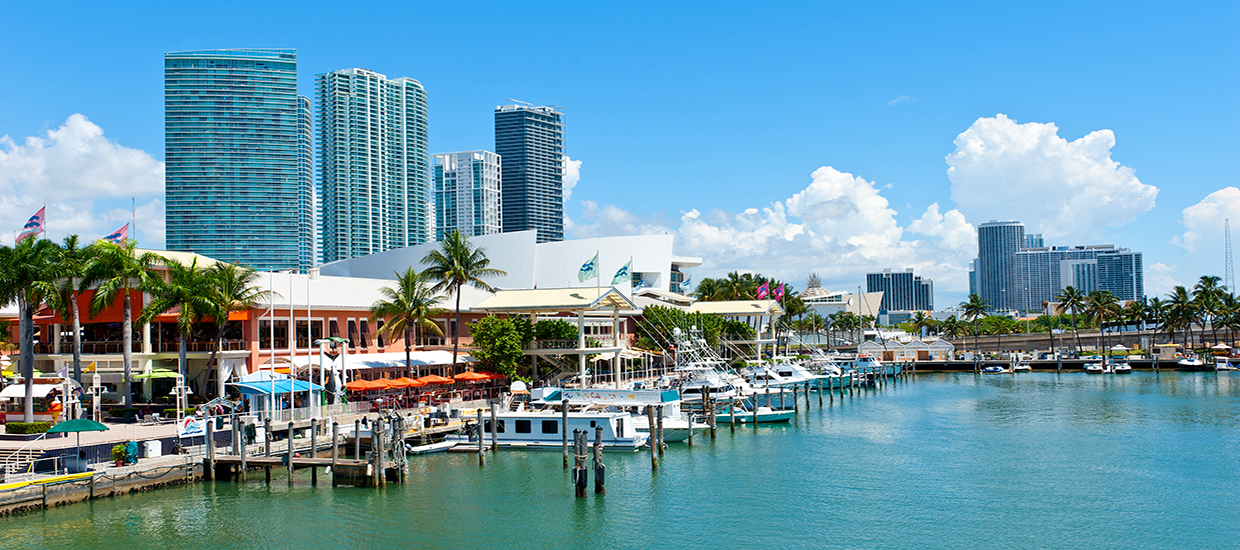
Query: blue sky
[[683, 117]]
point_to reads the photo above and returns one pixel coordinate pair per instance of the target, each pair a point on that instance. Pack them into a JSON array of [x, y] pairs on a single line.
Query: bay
[[1035, 460]]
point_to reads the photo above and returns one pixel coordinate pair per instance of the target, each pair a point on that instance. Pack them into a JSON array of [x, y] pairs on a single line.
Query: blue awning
[[281, 386]]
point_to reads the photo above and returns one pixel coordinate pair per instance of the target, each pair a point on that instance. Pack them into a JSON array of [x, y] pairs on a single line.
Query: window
[[523, 426], [592, 422], [333, 329], [365, 333], [550, 426], [379, 335], [486, 426], [352, 333]]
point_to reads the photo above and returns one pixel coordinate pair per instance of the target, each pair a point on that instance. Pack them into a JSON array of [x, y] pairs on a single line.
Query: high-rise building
[[902, 290], [467, 193], [530, 139], [997, 245], [235, 133], [374, 166], [1040, 274]]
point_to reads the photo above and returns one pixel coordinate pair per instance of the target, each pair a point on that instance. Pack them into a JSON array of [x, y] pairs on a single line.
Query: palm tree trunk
[[26, 328], [408, 356], [127, 350], [456, 331], [77, 341], [181, 347]]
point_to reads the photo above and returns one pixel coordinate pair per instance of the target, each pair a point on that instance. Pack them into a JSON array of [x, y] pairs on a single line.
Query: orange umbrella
[[493, 375], [434, 379], [472, 376], [406, 382], [363, 385]]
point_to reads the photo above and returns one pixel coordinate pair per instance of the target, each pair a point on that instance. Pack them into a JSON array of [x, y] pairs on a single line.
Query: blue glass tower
[[238, 181]]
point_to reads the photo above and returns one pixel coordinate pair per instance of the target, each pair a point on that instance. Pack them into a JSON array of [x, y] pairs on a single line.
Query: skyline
[[835, 139]]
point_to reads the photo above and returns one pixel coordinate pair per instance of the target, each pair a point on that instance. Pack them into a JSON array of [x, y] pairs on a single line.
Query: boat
[[429, 448], [1222, 364], [1121, 366], [541, 429], [765, 415], [1022, 366], [676, 426], [1191, 363], [1094, 367], [994, 369]]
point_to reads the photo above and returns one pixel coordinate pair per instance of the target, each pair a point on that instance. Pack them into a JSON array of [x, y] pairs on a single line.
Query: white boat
[[1121, 366], [1221, 364], [1022, 366], [542, 429], [994, 369], [765, 415], [1191, 363], [1094, 368], [676, 425], [429, 448]]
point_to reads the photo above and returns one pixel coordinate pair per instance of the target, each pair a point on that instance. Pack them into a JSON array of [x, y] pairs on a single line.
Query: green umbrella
[[78, 425], [157, 373]]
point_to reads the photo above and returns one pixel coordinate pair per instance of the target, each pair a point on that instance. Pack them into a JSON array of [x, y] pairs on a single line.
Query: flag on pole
[[32, 227], [684, 285], [624, 274], [778, 293], [119, 236], [90, 368], [588, 270], [764, 290]]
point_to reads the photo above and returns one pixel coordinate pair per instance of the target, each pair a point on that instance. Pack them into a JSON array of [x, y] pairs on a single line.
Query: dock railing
[[324, 411]]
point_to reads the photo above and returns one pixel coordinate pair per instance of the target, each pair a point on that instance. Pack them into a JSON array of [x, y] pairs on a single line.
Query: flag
[[764, 290], [89, 368], [778, 293], [684, 285], [624, 274], [588, 270], [32, 227], [119, 236]]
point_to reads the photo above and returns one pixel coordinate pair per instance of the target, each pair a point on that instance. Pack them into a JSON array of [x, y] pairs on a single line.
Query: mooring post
[[335, 449], [233, 439], [314, 453], [654, 452], [564, 428], [357, 439], [289, 453], [768, 398], [244, 468], [481, 433], [600, 470], [795, 395], [732, 412], [210, 473], [660, 419], [580, 475], [710, 418], [494, 429], [267, 436]]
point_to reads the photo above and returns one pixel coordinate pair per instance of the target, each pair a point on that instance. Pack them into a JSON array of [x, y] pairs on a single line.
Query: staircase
[[12, 460]]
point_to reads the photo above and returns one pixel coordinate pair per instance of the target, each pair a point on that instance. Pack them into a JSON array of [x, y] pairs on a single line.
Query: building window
[[352, 333], [379, 335], [333, 329], [365, 333]]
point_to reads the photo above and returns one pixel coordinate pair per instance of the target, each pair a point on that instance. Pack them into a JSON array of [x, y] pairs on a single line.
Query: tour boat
[[542, 429], [667, 403]]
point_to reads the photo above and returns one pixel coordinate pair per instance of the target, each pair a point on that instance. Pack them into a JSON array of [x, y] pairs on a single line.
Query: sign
[[192, 426]]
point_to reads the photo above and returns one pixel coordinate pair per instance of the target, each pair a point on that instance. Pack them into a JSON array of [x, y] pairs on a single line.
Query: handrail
[[8, 468]]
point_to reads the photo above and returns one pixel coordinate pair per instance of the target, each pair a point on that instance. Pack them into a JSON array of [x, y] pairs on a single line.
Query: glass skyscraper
[[236, 135], [530, 140], [902, 290], [467, 193], [374, 167], [997, 245]]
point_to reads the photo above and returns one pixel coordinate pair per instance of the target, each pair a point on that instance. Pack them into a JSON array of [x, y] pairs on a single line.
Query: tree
[[1072, 301], [73, 260], [499, 343], [1207, 294], [234, 290], [706, 289], [1180, 313], [30, 272], [116, 270], [952, 328], [973, 309], [1156, 313], [408, 307], [1100, 306], [922, 321], [191, 291], [455, 264]]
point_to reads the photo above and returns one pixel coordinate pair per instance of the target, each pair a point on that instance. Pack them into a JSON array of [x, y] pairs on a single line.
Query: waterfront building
[[530, 139], [997, 244], [827, 302], [236, 136], [374, 165], [902, 290], [467, 193], [1042, 273]]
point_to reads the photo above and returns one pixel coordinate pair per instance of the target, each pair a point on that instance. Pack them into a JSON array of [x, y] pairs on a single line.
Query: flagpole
[[133, 215], [598, 272]]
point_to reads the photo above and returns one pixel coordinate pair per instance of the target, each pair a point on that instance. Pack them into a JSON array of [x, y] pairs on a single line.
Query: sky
[[779, 138]]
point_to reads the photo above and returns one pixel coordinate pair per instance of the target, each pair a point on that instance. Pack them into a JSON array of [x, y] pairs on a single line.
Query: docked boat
[[1094, 367], [1192, 363], [1121, 367], [666, 403], [764, 415], [1222, 364], [1022, 366], [994, 369], [542, 429]]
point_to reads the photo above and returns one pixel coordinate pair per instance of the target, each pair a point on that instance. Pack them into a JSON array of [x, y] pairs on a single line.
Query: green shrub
[[27, 427], [122, 412], [172, 413]]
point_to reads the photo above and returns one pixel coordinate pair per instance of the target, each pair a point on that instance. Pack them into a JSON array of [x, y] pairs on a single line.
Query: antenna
[[1229, 276]]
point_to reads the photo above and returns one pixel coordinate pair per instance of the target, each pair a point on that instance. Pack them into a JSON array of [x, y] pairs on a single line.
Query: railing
[[26, 471], [567, 344], [306, 413], [115, 348]]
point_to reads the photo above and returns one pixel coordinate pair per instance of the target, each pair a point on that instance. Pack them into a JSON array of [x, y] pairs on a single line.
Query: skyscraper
[[997, 244], [902, 290], [236, 184], [374, 169], [1042, 273], [467, 193], [530, 140]]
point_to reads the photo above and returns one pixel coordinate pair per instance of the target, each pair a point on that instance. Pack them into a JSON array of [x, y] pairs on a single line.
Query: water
[[1037, 460]]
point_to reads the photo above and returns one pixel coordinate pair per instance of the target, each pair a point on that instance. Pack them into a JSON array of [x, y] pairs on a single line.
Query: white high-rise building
[[374, 166], [467, 193]]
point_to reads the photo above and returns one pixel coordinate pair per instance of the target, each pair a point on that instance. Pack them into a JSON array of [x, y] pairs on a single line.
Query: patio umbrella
[[1220, 346], [406, 382], [435, 379], [363, 385], [472, 376], [493, 375], [156, 373], [78, 425]]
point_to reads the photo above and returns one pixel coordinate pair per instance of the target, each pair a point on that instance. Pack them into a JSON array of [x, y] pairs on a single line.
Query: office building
[[467, 193], [530, 140], [997, 244], [902, 290], [374, 166], [236, 135]]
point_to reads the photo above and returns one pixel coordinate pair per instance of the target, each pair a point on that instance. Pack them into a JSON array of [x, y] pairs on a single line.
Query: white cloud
[[86, 181], [839, 226], [572, 173], [1067, 190], [902, 99], [1160, 279], [1203, 222]]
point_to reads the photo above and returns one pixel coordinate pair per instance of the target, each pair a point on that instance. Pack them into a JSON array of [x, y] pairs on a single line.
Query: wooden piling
[[660, 420], [494, 429], [654, 452], [600, 470], [335, 451], [209, 474], [710, 416], [357, 439], [377, 452], [564, 429], [732, 412], [267, 436], [795, 395], [289, 453], [244, 470], [314, 452], [580, 475], [819, 392], [482, 459]]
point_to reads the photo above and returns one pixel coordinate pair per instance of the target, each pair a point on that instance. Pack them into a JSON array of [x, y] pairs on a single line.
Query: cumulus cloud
[[572, 173], [1160, 279], [85, 179], [839, 226], [1064, 189], [902, 99], [1203, 222]]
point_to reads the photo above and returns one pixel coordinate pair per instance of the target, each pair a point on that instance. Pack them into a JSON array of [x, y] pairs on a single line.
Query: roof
[[339, 293], [281, 386], [738, 307], [673, 297], [556, 300], [185, 258]]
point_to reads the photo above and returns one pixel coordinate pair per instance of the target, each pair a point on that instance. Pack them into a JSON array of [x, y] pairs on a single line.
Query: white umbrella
[[1220, 345]]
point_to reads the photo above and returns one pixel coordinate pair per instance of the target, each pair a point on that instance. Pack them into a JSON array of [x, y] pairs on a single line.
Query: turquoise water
[[1037, 460]]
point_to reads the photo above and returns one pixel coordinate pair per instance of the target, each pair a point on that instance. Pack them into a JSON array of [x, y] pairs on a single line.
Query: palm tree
[[1180, 312], [190, 290], [234, 290], [1072, 301], [706, 289], [1207, 294], [116, 270], [1230, 313], [1156, 313], [1100, 306], [922, 321], [973, 309], [30, 272], [408, 307], [737, 287], [73, 260], [455, 264]]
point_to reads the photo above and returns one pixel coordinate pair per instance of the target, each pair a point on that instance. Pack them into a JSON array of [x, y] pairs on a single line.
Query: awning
[[281, 386], [19, 390]]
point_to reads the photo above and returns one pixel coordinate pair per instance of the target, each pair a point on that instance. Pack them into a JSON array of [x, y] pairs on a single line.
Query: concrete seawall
[[51, 491]]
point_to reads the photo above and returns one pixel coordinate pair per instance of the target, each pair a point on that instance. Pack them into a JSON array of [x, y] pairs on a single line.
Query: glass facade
[[531, 141], [997, 245], [236, 135], [374, 166], [1042, 273], [467, 193], [902, 290]]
